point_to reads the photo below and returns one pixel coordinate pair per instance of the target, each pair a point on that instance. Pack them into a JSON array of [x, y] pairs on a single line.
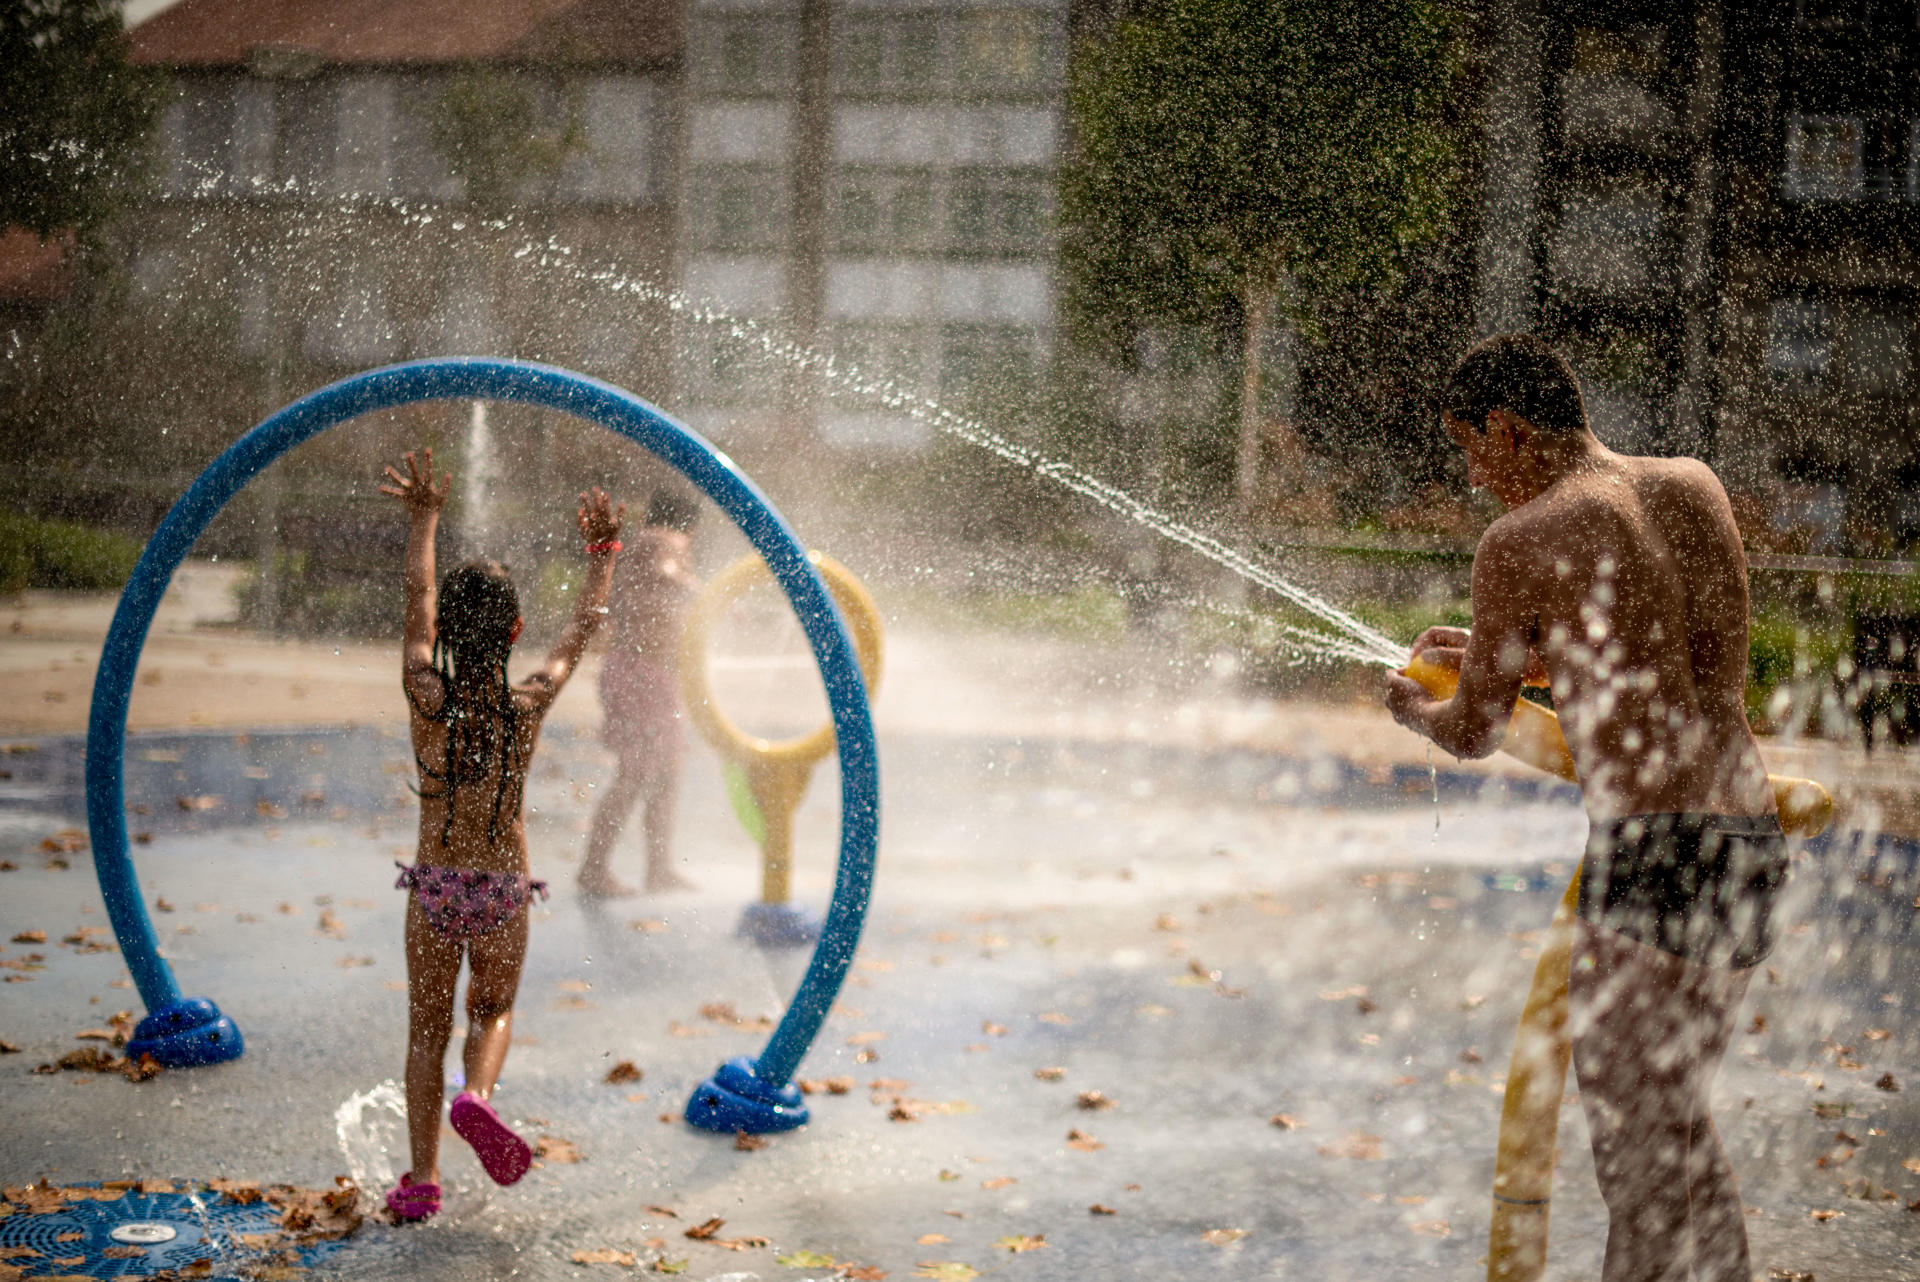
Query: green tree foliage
[[1230, 149], [76, 117], [486, 125]]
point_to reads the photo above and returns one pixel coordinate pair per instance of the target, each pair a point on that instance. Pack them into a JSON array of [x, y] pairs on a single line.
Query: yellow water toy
[[1537, 1073], [766, 779]]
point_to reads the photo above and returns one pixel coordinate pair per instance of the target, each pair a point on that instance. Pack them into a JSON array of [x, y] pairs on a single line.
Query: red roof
[[34, 270], [232, 33]]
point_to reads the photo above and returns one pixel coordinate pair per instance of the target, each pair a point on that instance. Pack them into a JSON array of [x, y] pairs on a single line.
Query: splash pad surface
[[181, 1031], [1028, 896]]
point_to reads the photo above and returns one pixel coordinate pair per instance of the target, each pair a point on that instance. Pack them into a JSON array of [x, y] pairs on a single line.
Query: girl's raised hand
[[600, 517], [416, 489]]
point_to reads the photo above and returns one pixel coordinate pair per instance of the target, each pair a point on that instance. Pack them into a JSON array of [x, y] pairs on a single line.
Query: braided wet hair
[[472, 637]]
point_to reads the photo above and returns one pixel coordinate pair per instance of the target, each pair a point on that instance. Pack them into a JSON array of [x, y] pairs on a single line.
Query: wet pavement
[[1208, 946]]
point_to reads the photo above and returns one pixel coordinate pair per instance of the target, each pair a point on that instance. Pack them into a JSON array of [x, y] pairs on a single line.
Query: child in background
[[473, 740], [640, 696]]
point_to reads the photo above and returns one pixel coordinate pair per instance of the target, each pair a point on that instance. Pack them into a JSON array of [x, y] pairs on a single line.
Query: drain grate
[[121, 1234]]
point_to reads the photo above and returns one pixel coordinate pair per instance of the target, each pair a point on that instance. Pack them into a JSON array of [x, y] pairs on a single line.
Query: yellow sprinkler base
[[776, 773]]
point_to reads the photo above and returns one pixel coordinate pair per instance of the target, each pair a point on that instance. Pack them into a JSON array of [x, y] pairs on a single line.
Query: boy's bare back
[[1628, 579]]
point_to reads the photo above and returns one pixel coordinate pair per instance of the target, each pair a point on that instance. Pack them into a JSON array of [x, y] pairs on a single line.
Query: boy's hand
[[1410, 703], [599, 516], [1442, 647], [416, 488]]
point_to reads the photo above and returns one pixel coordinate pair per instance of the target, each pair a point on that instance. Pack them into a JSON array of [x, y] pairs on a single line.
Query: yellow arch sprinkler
[[766, 779], [1537, 1073]]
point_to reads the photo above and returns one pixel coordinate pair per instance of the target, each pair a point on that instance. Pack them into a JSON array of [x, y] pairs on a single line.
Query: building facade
[[1713, 208], [876, 178]]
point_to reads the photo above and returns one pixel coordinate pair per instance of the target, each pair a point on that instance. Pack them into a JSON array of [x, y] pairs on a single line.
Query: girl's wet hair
[[1520, 373], [473, 635]]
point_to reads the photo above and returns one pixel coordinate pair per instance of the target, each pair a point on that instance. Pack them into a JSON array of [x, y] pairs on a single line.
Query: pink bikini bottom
[[465, 903]]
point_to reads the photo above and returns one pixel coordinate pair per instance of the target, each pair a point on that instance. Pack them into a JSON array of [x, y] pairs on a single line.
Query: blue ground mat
[[103, 1231]]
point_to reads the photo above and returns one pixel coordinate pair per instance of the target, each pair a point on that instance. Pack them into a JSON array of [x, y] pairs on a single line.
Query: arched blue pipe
[[191, 1030]]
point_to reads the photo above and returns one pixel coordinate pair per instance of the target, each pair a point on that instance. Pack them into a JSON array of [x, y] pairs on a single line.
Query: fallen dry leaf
[[1085, 1143], [805, 1260], [862, 1273], [1050, 1073], [1098, 1209], [1054, 1017], [664, 1265], [945, 1270], [990, 1028], [1018, 1243], [746, 1143], [1432, 1228], [624, 1071], [998, 1182], [1285, 1121], [605, 1255], [932, 1239], [1222, 1237], [1824, 1216], [1887, 1083], [1092, 1101], [551, 1148], [706, 1229], [1357, 1145], [31, 937]]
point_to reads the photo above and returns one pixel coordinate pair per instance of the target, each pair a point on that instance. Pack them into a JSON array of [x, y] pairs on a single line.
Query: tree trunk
[[1246, 474]]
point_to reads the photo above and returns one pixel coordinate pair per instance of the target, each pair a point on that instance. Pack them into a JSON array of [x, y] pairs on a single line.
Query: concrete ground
[[1066, 904]]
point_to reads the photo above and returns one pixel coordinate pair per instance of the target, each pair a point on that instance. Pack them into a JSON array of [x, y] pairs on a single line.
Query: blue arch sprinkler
[[746, 1093]]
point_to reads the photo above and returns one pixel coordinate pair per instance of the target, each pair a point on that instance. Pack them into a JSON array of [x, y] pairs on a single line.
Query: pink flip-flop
[[505, 1155], [411, 1201]]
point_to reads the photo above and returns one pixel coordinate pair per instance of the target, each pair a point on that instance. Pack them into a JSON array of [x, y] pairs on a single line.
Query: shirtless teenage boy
[[1621, 582]]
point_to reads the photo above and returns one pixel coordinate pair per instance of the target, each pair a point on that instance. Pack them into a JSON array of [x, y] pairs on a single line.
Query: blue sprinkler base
[[186, 1034], [735, 1098], [778, 926]]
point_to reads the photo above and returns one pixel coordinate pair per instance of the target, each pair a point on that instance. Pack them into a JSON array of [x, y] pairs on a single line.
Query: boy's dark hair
[[1519, 373], [473, 635], [672, 508]]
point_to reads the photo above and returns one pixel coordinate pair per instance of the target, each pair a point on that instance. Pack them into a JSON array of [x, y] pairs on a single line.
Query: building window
[[1829, 15], [198, 127], [1799, 340], [899, 51], [987, 361], [877, 209], [618, 161], [1879, 359], [1825, 158], [739, 208], [750, 54], [879, 355], [1913, 161], [1005, 47], [363, 133], [995, 212]]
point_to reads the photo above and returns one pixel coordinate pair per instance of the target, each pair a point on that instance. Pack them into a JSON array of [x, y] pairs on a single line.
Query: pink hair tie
[[595, 549]]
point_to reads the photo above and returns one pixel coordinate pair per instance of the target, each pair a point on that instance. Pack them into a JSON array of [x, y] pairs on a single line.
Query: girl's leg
[[433, 969], [1637, 1061], [596, 877], [494, 960], [663, 801]]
